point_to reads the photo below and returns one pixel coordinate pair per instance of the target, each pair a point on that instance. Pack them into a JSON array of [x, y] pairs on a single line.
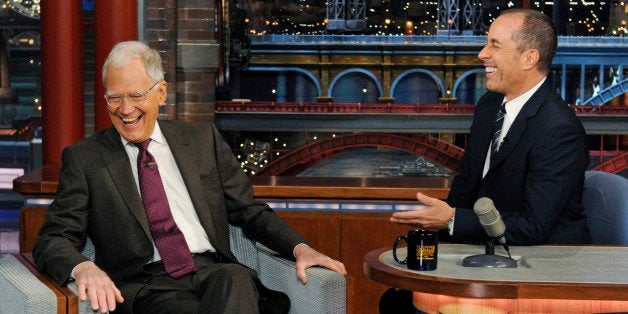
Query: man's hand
[[434, 216], [93, 282], [308, 257]]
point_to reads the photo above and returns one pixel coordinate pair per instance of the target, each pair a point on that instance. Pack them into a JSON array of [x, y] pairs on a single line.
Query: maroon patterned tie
[[170, 242]]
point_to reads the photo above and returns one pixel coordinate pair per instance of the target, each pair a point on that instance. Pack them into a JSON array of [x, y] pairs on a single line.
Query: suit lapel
[[182, 148], [117, 162], [519, 126]]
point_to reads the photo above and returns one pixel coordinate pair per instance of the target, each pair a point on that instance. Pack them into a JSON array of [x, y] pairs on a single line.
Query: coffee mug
[[422, 249]]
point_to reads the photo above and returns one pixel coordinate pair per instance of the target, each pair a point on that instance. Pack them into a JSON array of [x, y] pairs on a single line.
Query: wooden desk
[[382, 189], [39, 182], [44, 181], [548, 279]]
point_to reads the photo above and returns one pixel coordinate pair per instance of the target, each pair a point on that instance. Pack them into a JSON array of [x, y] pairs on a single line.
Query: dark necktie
[[174, 251], [497, 129]]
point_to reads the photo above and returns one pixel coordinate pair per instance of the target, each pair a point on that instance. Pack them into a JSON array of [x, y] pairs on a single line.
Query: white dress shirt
[[513, 107], [178, 198]]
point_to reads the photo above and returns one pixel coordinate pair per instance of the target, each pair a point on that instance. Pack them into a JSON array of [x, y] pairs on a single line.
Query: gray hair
[[123, 53]]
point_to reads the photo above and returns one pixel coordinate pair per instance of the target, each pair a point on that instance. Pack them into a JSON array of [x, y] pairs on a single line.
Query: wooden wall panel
[[321, 229], [351, 235], [31, 220], [362, 233]]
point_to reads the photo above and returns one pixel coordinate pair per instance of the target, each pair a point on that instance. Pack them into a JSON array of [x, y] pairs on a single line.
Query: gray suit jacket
[[97, 197], [536, 179]]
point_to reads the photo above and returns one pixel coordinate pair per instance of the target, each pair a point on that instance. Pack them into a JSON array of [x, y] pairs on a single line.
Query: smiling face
[[135, 122], [506, 68]]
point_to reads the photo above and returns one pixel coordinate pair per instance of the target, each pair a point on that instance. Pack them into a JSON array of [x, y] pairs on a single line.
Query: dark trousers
[[395, 301], [215, 288]]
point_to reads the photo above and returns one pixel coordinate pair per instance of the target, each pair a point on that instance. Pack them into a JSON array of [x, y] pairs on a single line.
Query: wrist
[[453, 215], [78, 268], [450, 222], [299, 247]]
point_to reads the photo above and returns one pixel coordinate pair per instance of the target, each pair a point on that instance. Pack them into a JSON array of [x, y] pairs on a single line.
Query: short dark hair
[[536, 32]]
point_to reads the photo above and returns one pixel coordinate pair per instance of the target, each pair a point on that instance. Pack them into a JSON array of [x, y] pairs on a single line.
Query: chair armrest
[[22, 291], [325, 291]]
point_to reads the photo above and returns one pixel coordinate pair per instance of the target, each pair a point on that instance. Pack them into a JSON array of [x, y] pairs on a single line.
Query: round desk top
[[557, 272]]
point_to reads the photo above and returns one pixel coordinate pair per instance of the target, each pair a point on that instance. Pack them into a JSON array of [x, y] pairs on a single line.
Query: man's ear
[[530, 58], [162, 89]]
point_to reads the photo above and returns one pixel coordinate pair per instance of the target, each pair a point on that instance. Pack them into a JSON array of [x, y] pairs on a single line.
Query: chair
[[605, 200], [21, 291], [325, 291]]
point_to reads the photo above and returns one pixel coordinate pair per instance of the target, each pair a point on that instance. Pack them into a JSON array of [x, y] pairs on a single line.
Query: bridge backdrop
[[397, 126], [383, 86], [412, 69]]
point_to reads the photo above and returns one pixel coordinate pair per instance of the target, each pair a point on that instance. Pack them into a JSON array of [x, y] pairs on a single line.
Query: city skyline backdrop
[[388, 17]]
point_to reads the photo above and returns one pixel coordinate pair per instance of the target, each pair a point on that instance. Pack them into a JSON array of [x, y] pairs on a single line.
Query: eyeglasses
[[137, 98]]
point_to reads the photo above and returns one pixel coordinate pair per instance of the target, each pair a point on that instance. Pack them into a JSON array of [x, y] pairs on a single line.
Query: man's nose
[[483, 54], [126, 105]]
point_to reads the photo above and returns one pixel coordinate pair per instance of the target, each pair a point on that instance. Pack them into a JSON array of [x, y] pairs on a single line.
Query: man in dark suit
[[535, 178], [99, 197]]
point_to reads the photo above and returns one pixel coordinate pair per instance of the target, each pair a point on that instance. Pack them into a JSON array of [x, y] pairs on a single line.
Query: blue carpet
[[9, 234], [10, 204], [9, 218]]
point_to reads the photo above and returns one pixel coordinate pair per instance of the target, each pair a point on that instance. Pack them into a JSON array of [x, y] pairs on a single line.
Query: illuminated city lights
[[29, 8], [389, 17]]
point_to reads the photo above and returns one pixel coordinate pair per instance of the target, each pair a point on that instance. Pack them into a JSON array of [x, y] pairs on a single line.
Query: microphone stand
[[489, 259]]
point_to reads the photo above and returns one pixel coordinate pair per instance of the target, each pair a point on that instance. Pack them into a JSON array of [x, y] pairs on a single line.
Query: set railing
[[367, 108]]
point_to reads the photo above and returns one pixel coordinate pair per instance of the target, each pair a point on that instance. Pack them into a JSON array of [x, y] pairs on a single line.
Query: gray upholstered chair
[[325, 292], [605, 200], [21, 291]]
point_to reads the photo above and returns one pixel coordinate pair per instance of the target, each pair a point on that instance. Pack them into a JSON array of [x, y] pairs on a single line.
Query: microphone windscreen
[[489, 217], [484, 209]]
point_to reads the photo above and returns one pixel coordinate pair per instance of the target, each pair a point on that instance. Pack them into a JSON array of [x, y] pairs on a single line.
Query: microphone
[[151, 165], [491, 220], [494, 226]]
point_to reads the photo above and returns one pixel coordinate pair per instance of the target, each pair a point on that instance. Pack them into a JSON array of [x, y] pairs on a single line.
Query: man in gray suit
[[99, 197]]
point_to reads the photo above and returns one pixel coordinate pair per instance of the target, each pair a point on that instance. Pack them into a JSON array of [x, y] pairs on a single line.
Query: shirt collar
[[157, 136], [514, 106]]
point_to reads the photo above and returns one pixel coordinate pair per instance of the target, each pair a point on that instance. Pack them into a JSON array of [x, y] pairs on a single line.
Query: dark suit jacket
[[97, 197], [537, 178]]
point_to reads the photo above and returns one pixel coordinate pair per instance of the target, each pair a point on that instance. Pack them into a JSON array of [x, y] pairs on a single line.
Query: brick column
[[197, 60], [160, 20]]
